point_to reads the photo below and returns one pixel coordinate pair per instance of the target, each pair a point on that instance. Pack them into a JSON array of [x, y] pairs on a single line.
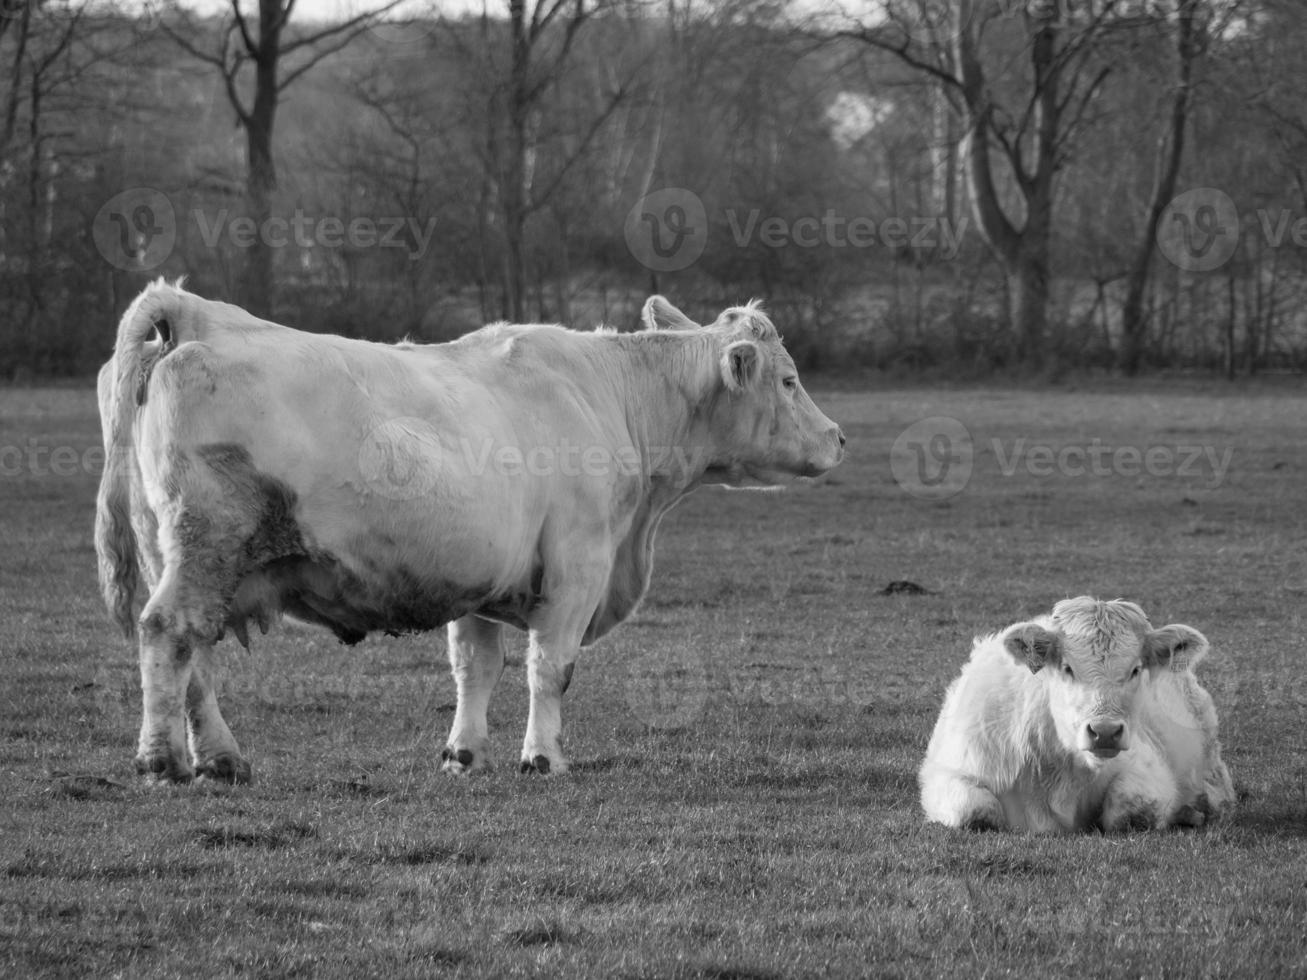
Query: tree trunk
[[1028, 305], [1023, 252], [514, 184], [258, 287], [1134, 321]]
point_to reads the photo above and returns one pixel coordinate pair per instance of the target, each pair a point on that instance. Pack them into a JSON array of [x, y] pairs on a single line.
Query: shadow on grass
[[537, 932], [270, 838], [1278, 821]]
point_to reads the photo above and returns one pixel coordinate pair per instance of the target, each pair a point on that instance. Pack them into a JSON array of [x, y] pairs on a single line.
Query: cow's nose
[[1105, 734], [839, 434]]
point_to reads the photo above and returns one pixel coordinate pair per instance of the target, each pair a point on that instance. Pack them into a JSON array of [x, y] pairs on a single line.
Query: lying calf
[[1085, 718]]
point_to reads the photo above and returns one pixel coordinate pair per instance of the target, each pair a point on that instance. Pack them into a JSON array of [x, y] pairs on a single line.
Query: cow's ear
[[741, 365], [658, 314], [1177, 647], [1031, 644]]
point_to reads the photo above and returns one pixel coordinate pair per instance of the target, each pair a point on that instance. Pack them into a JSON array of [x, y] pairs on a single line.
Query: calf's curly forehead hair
[[1100, 623]]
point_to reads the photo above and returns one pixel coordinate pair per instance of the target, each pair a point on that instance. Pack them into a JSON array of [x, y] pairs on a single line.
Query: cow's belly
[[321, 590], [397, 567], [393, 506]]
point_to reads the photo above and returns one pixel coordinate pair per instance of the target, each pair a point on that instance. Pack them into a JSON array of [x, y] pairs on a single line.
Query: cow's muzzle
[[1105, 739]]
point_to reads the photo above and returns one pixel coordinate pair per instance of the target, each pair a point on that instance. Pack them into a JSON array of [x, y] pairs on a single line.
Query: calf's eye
[[1067, 672], [790, 383]]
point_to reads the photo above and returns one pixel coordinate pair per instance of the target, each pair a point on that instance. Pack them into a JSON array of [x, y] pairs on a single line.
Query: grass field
[[743, 802]]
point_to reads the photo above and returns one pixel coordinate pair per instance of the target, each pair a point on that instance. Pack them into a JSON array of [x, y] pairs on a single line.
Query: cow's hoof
[[1189, 816], [1131, 820], [163, 769], [982, 823], [226, 769], [457, 762], [538, 764]]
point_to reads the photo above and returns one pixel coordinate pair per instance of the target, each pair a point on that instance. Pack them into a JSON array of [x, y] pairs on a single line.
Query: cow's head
[[764, 427], [1095, 658]]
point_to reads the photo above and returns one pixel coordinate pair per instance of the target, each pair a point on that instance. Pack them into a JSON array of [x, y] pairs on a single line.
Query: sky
[[343, 9]]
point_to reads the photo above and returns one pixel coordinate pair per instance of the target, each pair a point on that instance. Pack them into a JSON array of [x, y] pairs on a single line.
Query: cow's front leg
[[957, 799], [571, 599], [1142, 797], [548, 673], [476, 657]]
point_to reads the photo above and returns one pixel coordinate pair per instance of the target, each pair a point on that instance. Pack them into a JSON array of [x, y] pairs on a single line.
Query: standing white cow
[[514, 476], [1085, 718]]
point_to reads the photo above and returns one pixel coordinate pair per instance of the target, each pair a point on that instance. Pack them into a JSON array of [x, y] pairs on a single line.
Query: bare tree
[[1021, 117], [265, 44], [1192, 19], [541, 38]]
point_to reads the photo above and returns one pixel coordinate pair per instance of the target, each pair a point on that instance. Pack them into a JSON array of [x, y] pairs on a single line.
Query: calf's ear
[[1177, 647], [741, 365], [1031, 644], [658, 314]]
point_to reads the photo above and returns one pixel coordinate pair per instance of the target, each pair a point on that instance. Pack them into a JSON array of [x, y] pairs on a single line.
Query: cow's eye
[[1134, 673], [1067, 672], [790, 383]]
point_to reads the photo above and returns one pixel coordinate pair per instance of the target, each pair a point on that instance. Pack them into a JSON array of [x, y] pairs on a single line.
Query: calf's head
[[765, 429], [1095, 658]]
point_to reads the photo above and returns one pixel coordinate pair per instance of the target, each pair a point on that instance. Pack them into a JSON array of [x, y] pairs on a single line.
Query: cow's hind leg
[[213, 748], [177, 626], [476, 657]]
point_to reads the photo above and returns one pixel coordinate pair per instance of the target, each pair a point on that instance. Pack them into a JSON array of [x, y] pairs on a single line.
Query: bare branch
[[244, 28], [354, 26], [901, 51]]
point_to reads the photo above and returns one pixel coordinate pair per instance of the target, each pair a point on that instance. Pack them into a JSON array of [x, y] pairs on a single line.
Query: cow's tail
[[120, 384]]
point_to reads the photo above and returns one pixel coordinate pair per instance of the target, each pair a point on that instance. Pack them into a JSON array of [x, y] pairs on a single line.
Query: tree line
[[959, 186]]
